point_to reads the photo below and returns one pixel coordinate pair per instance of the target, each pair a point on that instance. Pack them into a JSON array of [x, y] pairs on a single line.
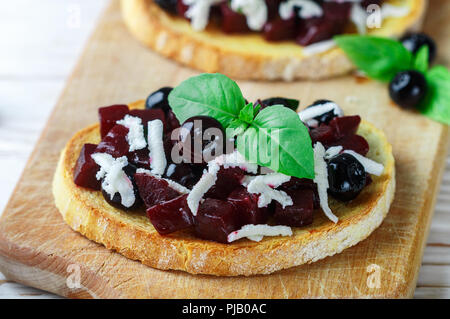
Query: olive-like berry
[[325, 118], [414, 41], [116, 200], [167, 5], [201, 137], [159, 100], [408, 88], [346, 177], [290, 103]]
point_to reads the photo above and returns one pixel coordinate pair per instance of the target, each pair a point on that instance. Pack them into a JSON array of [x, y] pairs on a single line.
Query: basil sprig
[[288, 150], [382, 58]]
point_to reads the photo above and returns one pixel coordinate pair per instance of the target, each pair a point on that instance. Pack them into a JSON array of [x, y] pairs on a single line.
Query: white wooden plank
[[436, 255], [432, 293], [434, 276]]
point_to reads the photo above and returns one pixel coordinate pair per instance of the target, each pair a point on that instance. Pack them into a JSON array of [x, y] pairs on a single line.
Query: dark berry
[[290, 103], [171, 216], [326, 117], [167, 5], [116, 200], [408, 88], [159, 100], [202, 138], [346, 177], [414, 41], [185, 174], [86, 168]]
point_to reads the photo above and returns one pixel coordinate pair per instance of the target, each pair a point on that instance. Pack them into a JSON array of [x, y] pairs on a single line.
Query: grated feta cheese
[[158, 160], [135, 136], [174, 185], [359, 17], [203, 185], [332, 151], [265, 184], [390, 11], [370, 166], [318, 47], [114, 178], [307, 115], [255, 12], [236, 159], [257, 232], [321, 179], [198, 12], [308, 9]]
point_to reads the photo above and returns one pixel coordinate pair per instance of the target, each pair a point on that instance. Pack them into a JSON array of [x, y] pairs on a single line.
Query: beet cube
[[246, 205], [324, 134], [232, 21], [149, 115], [299, 183], [154, 190], [109, 115], [170, 216], [355, 143], [345, 125], [228, 179], [115, 142], [140, 158], [215, 220], [86, 168], [298, 214]]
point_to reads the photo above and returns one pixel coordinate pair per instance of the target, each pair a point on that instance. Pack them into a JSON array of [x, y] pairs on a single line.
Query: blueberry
[[325, 118], [414, 41], [408, 88], [167, 5], [346, 177], [159, 100], [290, 103]]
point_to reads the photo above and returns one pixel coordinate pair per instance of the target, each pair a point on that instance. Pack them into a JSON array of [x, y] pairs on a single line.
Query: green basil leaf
[[380, 58], [436, 104], [247, 113], [236, 127], [420, 62], [212, 95], [279, 140]]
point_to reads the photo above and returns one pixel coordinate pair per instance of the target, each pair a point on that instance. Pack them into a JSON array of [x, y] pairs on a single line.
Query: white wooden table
[[40, 43]]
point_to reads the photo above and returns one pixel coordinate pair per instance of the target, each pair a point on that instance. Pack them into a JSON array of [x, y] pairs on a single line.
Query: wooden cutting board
[[38, 249]]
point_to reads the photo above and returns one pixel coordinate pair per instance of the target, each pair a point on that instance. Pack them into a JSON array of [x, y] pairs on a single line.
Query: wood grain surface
[[38, 249]]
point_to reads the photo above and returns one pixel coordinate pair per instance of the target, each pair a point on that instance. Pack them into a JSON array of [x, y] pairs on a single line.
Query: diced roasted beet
[[345, 125], [272, 8], [171, 121], [185, 174], [298, 183], [171, 216], [246, 205], [232, 21], [227, 180], [115, 142], [140, 158], [324, 134], [355, 143], [337, 12], [182, 8], [315, 30], [279, 29], [215, 219], [116, 200], [300, 213], [109, 115], [149, 115], [86, 168], [154, 190]]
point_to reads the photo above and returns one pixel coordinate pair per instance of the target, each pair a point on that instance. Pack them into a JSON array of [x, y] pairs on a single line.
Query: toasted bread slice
[[247, 56], [132, 234]]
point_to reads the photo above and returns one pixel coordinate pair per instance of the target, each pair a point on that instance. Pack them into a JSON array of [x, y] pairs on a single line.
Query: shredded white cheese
[[236, 159], [332, 151], [255, 12], [307, 115], [265, 184], [321, 179], [198, 12], [174, 185], [196, 195], [308, 9], [318, 47], [257, 232], [158, 160], [359, 17], [114, 178], [390, 11], [135, 136], [370, 166]]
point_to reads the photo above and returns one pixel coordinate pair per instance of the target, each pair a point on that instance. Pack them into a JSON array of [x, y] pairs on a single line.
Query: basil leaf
[[380, 58], [236, 127], [279, 140], [247, 113], [420, 62], [436, 104], [212, 95]]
